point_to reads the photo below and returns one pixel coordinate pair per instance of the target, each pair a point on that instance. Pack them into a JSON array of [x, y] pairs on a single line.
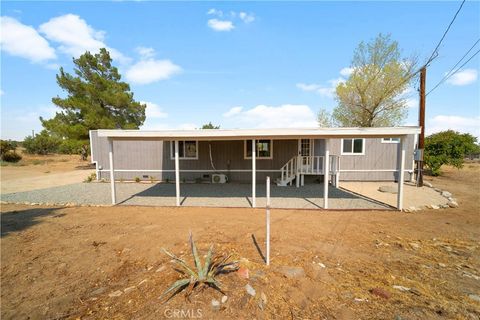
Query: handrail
[[308, 165]]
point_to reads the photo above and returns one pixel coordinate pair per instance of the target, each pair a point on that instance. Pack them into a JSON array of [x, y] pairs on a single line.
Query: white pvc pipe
[[254, 173], [326, 173], [267, 254], [401, 173], [177, 175], [112, 172]]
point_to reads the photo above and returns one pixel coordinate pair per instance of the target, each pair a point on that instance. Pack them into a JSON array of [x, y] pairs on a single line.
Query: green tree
[[448, 147], [96, 99], [8, 151], [210, 126], [373, 95], [324, 119]]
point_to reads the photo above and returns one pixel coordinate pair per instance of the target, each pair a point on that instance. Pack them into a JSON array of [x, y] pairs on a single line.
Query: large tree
[[373, 95], [96, 99]]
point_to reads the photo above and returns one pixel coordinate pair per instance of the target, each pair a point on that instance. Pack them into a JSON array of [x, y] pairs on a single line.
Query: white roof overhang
[[243, 134]]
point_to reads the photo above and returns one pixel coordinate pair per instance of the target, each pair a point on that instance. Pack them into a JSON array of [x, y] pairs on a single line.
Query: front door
[[305, 150]]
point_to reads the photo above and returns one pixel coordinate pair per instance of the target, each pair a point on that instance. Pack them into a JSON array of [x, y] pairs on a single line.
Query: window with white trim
[[353, 146], [390, 140], [187, 150], [264, 149]]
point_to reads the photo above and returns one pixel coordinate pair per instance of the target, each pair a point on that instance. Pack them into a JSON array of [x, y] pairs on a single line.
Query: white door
[[305, 150]]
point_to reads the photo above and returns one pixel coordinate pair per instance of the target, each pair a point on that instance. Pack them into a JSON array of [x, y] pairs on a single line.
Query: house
[[292, 157]]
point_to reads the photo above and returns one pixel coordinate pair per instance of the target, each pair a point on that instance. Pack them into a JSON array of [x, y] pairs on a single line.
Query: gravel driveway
[[217, 195]]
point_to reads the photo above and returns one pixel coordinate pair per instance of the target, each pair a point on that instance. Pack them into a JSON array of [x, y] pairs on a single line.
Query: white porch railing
[[306, 165]]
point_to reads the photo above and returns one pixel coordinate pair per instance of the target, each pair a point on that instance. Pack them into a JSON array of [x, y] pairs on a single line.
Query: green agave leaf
[[208, 259], [196, 257], [181, 263], [176, 285]]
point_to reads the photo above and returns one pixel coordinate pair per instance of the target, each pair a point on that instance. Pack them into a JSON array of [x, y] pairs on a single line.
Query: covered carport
[[254, 135]]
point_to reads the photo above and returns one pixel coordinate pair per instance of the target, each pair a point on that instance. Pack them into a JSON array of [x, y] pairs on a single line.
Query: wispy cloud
[[154, 111], [463, 77], [263, 116], [462, 124], [24, 41], [327, 89], [220, 25]]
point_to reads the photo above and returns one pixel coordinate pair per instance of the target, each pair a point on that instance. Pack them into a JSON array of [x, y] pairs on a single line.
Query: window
[[264, 149], [186, 150], [390, 140], [353, 146]]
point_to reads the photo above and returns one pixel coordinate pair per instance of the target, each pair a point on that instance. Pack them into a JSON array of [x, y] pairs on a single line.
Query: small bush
[[7, 146], [91, 177], [137, 179], [11, 156]]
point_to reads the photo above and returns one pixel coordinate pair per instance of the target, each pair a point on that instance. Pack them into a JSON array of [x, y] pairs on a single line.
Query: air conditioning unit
[[219, 178]]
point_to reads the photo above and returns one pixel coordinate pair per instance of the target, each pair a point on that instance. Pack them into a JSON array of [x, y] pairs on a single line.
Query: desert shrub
[[137, 179], [11, 156], [202, 275], [71, 146], [447, 147], [42, 143], [91, 177]]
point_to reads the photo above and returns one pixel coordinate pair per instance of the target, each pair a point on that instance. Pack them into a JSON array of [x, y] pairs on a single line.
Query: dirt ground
[[64, 263], [38, 172]]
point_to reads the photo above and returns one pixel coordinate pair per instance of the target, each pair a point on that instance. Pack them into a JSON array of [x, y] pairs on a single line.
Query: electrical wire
[[451, 74], [435, 52]]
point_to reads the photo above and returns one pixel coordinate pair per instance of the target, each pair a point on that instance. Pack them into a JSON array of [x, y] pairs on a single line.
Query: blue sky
[[237, 64]]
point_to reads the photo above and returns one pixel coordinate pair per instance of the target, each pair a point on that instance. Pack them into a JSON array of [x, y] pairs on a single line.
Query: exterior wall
[[153, 157]]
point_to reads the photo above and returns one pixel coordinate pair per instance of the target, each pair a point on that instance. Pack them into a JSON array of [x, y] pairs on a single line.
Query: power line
[[451, 74], [435, 52], [447, 75]]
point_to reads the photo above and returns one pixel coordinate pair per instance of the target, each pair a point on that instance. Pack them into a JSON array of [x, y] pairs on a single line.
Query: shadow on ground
[[19, 220]]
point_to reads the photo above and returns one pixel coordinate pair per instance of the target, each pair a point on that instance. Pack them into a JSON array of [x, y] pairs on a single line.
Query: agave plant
[[200, 275]]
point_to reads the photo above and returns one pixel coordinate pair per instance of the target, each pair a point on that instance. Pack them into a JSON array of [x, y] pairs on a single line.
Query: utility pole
[[421, 123]]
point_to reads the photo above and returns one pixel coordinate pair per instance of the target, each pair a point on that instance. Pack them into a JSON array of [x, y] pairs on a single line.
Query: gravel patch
[[217, 195]]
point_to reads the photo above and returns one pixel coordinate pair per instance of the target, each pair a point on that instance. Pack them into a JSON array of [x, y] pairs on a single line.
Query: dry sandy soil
[[38, 172], [59, 263]]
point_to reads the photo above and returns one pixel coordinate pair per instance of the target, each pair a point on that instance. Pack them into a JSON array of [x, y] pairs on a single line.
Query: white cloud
[[246, 17], [75, 36], [145, 52], [262, 116], [324, 91], [220, 25], [215, 12], [462, 124], [463, 77], [411, 103], [153, 111], [151, 70], [232, 112], [24, 41], [346, 72]]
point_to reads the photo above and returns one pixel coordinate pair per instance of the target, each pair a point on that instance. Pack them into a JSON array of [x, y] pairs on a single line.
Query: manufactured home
[[291, 157]]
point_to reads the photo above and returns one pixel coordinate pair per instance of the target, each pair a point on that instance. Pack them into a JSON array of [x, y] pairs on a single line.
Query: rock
[[360, 300], [435, 207], [443, 265], [381, 293], [250, 290], [401, 288], [242, 272], [388, 189], [98, 291], [215, 304], [263, 301], [446, 194], [452, 204], [117, 293], [160, 269], [127, 290], [414, 245], [474, 297], [322, 265], [292, 272], [224, 299], [427, 184]]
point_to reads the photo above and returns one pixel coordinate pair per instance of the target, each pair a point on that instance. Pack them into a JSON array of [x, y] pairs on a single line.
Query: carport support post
[[401, 172], [177, 175], [112, 172], [326, 173], [254, 171]]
